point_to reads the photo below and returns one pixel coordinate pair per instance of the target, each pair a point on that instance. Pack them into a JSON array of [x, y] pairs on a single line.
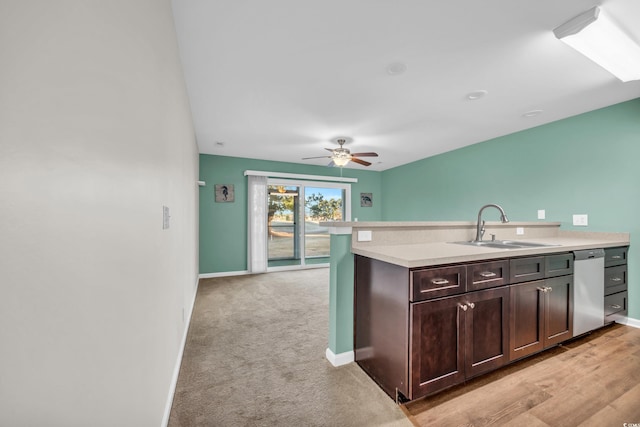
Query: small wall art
[[225, 193], [366, 200]]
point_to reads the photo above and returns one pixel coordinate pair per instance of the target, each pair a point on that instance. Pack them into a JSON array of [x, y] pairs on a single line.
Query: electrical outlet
[[364, 235], [520, 231], [581, 220], [541, 214]]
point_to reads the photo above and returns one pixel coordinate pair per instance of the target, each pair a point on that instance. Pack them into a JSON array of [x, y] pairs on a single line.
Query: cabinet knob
[[472, 305], [541, 289], [463, 307], [548, 289], [439, 281]]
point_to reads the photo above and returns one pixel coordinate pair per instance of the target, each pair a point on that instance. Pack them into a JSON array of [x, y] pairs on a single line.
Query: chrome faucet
[[480, 225]]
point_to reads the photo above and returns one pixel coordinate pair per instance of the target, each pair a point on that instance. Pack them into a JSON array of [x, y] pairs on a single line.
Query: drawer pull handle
[[616, 279], [439, 281], [463, 307], [616, 257], [487, 274], [616, 306]]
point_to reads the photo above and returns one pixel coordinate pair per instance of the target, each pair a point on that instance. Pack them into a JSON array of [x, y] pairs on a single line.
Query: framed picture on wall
[[225, 193], [366, 200]]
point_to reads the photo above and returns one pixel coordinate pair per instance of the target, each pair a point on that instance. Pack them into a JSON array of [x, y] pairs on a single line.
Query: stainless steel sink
[[503, 244]]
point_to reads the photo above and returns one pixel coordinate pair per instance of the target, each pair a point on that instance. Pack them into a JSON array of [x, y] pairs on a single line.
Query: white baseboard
[[223, 274], [630, 321], [176, 369], [340, 358], [269, 270]]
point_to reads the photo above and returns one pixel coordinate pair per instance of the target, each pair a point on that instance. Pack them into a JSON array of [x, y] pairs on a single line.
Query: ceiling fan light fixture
[[340, 160], [598, 38]]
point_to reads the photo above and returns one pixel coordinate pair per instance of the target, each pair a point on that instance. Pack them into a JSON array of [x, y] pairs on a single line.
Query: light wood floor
[[591, 381]]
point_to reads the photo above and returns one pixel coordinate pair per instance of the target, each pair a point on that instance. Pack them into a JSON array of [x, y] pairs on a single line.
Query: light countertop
[[435, 253]]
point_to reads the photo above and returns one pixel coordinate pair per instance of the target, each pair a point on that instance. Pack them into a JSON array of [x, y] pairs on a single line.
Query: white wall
[[95, 136]]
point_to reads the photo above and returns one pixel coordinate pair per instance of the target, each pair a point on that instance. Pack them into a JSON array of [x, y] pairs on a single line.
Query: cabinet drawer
[[438, 282], [558, 265], [487, 275], [615, 279], [615, 256], [526, 269], [615, 303]]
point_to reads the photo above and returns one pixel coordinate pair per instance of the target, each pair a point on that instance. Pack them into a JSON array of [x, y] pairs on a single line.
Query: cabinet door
[[526, 319], [558, 265], [486, 275], [526, 269], [437, 352], [438, 282], [487, 330], [615, 279], [558, 310], [615, 256]]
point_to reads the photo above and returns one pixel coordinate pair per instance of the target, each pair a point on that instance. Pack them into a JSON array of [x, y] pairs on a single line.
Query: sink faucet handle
[[482, 230]]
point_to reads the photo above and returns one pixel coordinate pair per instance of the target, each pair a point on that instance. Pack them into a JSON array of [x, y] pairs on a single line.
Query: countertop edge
[[385, 253]]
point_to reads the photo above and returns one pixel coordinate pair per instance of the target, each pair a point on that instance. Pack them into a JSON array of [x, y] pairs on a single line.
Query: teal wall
[[223, 226], [587, 164]]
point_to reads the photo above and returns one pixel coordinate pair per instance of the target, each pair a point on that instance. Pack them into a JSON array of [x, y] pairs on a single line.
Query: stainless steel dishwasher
[[588, 296]]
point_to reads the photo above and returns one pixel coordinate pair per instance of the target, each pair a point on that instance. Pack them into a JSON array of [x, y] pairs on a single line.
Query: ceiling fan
[[341, 156]]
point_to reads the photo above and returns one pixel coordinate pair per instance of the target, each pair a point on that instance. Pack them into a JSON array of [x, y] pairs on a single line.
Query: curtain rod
[[298, 176]]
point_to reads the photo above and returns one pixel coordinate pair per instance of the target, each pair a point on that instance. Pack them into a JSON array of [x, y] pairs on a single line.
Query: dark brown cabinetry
[[455, 338], [541, 315], [421, 330], [615, 284]]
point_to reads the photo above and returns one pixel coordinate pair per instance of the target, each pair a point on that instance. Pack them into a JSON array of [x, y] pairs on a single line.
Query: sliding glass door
[[282, 241], [296, 208], [321, 204]]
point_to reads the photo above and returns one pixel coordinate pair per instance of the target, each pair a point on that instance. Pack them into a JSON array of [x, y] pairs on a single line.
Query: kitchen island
[[430, 313]]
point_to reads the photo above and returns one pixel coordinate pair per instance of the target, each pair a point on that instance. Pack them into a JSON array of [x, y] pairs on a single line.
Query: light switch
[[541, 214], [581, 220], [165, 217], [364, 235]]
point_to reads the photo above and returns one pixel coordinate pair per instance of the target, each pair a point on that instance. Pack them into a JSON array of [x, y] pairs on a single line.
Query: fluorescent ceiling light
[[594, 35]]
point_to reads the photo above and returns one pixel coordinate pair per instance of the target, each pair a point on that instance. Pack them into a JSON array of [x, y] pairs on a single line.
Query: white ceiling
[[278, 80]]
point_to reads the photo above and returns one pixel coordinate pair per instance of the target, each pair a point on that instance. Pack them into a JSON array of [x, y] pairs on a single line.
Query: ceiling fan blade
[[365, 154], [331, 164], [362, 162], [319, 157], [329, 149]]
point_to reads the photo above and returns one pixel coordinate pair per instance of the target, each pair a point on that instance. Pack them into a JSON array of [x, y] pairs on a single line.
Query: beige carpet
[[255, 357]]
